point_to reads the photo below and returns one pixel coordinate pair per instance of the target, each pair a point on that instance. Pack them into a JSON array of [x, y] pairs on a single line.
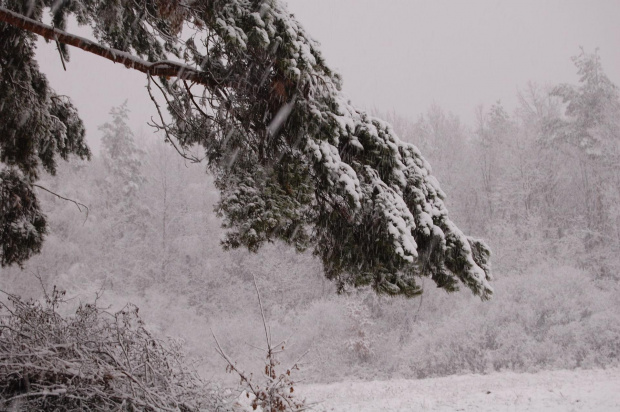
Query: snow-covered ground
[[561, 391]]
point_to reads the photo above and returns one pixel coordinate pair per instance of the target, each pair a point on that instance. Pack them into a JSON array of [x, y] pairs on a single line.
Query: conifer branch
[[166, 68]]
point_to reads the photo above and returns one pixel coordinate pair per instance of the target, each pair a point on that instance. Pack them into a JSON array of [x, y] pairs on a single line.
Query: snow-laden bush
[[546, 317], [92, 360], [568, 320]]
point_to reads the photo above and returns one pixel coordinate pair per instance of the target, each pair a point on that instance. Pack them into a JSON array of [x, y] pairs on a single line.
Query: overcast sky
[[401, 55]]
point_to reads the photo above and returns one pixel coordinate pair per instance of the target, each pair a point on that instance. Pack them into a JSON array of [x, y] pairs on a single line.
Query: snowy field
[[561, 391]]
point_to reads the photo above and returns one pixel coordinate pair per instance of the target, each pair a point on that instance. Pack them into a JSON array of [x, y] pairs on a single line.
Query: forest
[[176, 262]]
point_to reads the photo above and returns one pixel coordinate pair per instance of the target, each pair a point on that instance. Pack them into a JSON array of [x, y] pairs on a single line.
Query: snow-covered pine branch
[[167, 68], [293, 159]]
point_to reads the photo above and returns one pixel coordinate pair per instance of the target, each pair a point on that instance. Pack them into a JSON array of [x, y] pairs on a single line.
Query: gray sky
[[403, 55]]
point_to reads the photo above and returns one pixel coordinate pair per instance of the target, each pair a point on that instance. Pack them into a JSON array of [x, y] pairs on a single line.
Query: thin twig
[[163, 126], [223, 354], [262, 313], [78, 204], [62, 58], [191, 96]]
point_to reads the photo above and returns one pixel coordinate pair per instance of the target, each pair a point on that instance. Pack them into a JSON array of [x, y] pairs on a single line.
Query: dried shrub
[[276, 391]]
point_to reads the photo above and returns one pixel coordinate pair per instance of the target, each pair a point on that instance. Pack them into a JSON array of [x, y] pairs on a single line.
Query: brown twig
[[62, 58], [262, 313], [78, 204], [192, 159]]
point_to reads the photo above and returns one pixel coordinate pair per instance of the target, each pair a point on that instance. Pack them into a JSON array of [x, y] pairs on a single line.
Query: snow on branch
[[165, 68], [309, 167]]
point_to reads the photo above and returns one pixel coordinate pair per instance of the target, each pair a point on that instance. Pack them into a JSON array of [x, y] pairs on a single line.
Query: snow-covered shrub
[[92, 360], [568, 320]]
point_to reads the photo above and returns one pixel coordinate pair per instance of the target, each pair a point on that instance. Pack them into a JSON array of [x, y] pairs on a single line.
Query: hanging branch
[[62, 58], [163, 126], [78, 204]]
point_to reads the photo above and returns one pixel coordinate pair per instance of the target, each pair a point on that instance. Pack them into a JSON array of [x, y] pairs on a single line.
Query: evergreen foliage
[[36, 126], [292, 158], [120, 154], [22, 225]]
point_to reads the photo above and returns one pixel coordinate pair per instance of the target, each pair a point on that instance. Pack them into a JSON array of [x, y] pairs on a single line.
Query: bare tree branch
[[262, 313], [62, 58], [163, 125], [78, 204]]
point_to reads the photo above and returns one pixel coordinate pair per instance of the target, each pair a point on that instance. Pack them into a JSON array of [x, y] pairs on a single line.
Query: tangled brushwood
[[92, 360]]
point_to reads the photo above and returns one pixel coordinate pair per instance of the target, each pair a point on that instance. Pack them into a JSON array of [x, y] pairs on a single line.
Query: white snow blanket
[[561, 391]]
